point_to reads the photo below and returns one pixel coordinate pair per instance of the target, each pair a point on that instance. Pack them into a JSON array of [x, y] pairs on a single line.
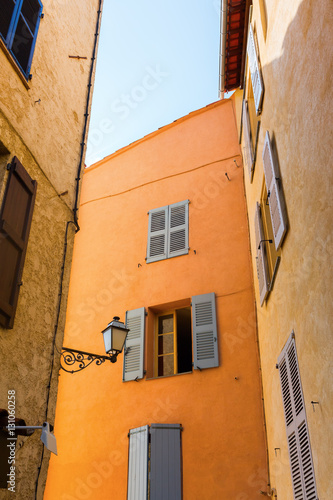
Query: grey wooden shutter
[[178, 229], [204, 327], [157, 234], [137, 486], [248, 148], [261, 257], [165, 462], [256, 78], [15, 223], [275, 194], [134, 346], [302, 471]]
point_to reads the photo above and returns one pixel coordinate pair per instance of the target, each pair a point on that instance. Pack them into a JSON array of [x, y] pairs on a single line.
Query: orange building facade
[[164, 245]]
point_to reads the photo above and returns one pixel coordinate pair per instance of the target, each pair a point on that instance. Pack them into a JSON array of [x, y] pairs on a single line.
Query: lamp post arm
[[81, 359]]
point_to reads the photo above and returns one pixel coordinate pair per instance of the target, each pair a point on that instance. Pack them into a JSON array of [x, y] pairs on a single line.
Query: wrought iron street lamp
[[114, 336]]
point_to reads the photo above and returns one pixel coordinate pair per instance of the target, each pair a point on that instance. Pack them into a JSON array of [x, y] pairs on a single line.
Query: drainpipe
[[223, 39]]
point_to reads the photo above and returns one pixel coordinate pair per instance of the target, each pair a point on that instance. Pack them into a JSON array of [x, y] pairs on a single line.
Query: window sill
[[14, 64], [169, 376]]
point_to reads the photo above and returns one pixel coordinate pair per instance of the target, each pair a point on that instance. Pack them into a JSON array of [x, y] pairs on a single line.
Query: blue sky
[[157, 61]]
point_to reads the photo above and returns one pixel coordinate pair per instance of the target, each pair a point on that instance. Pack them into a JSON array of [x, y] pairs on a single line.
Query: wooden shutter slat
[[256, 78], [16, 216], [178, 229], [276, 198], [137, 488], [204, 326], [248, 148], [134, 345], [157, 234], [261, 257], [302, 470]]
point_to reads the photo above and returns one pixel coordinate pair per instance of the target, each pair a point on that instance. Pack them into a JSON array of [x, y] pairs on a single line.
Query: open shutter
[[134, 345], [165, 462], [261, 257], [256, 78], [205, 345], [248, 148], [15, 222], [275, 194], [137, 488], [302, 470], [178, 229], [157, 234]]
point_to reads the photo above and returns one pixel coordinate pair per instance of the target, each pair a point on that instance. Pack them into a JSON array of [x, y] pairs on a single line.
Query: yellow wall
[[296, 60], [46, 137], [220, 409]]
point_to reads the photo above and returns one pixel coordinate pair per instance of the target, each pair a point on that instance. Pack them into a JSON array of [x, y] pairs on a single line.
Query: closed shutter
[[137, 488], [205, 345], [165, 462], [134, 345], [248, 148], [15, 222], [261, 257], [275, 194], [157, 234], [256, 78], [302, 470], [178, 229]]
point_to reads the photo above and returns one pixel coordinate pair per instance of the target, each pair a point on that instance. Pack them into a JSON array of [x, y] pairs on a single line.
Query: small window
[[167, 232], [255, 71], [19, 24]]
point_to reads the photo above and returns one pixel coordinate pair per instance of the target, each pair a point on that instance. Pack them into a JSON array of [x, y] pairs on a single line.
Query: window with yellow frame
[[273, 255]]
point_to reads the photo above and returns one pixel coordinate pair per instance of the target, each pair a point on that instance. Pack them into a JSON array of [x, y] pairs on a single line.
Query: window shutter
[[261, 258], [205, 345], [178, 229], [137, 487], [134, 345], [302, 470], [165, 462], [157, 234], [256, 78], [248, 148], [275, 194], [15, 223]]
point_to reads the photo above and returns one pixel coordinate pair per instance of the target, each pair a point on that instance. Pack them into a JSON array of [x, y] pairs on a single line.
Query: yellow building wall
[[41, 122], [220, 409], [296, 61]]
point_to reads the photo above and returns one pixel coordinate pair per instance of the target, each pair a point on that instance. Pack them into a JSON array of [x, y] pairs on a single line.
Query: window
[[15, 221], [178, 339], [19, 24], [302, 471], [255, 71], [155, 462], [168, 232], [270, 222]]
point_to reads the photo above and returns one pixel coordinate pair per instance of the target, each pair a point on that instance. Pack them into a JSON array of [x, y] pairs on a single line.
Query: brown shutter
[[15, 221]]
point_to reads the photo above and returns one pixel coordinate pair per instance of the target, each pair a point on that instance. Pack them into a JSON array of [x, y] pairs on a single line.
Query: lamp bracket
[[79, 360]]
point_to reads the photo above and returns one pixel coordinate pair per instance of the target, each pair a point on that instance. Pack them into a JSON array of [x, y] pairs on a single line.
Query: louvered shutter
[[204, 327], [302, 471], [248, 148], [137, 487], [134, 345], [165, 462], [157, 234], [256, 78], [275, 194], [178, 229], [261, 257], [15, 223]]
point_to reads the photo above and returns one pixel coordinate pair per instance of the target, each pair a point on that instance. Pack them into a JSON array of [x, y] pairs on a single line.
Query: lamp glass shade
[[114, 336]]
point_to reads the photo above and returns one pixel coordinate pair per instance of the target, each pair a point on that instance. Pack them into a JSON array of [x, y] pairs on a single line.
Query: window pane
[[6, 9], [165, 344], [30, 10], [165, 324], [165, 365], [22, 44]]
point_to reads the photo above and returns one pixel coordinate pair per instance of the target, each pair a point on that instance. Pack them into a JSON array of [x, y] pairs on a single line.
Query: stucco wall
[[220, 409], [296, 61]]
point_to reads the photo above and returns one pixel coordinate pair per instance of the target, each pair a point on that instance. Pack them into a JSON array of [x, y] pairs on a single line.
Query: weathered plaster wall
[[223, 443], [46, 137], [296, 61]]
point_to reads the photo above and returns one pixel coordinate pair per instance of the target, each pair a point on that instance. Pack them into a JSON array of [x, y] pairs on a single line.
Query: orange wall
[[223, 443]]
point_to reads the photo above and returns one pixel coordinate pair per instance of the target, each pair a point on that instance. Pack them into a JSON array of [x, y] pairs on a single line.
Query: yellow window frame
[[157, 335]]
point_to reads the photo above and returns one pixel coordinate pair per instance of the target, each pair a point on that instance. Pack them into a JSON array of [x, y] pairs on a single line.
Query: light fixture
[[47, 438], [114, 336]]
